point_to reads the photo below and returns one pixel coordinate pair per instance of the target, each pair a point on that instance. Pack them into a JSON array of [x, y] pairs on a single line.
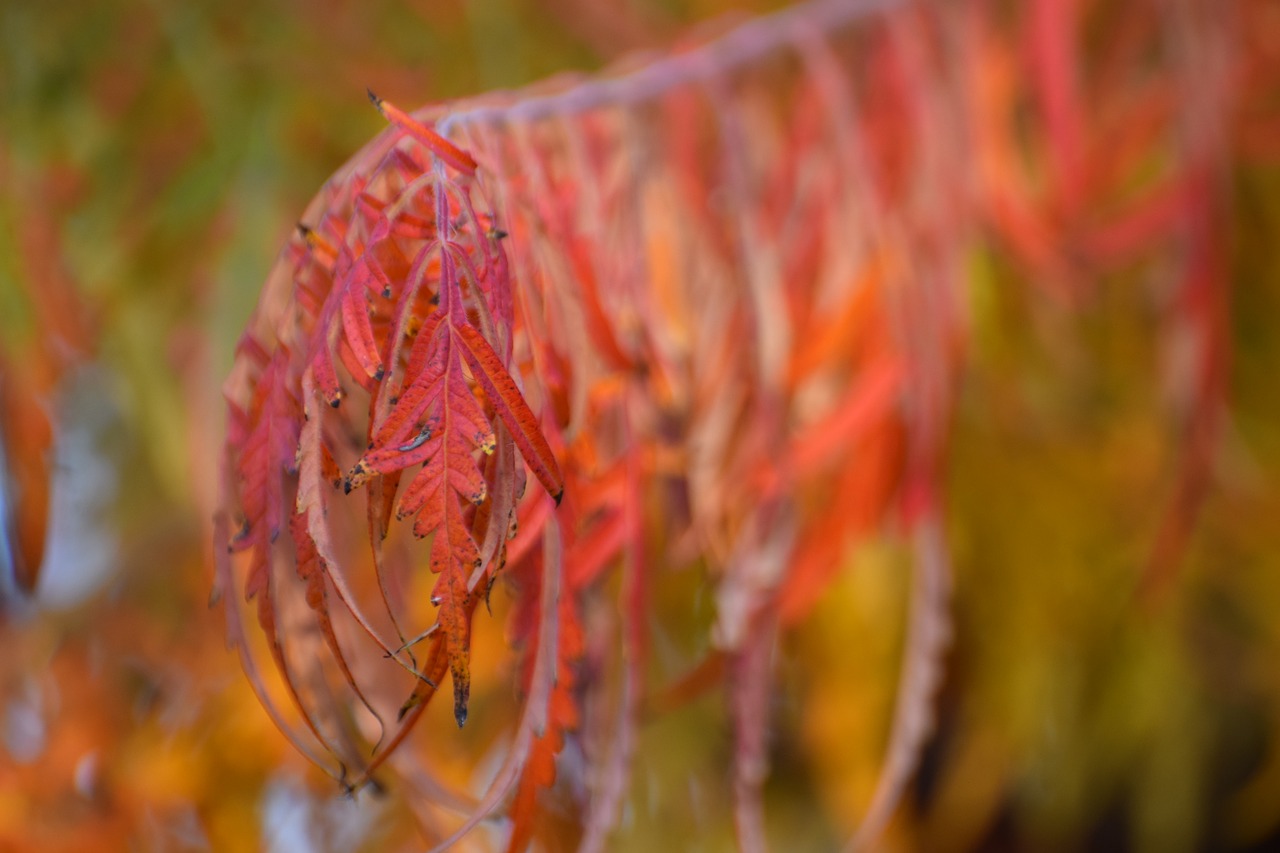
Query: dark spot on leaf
[[420, 439]]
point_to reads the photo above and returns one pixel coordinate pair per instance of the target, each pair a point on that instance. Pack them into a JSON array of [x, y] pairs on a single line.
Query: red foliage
[[409, 300], [731, 285]]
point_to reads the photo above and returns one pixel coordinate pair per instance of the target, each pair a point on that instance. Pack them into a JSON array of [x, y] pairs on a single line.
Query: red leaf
[[512, 408], [359, 331], [453, 556], [441, 147], [453, 426]]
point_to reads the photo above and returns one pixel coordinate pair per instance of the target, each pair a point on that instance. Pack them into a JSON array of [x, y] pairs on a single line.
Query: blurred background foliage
[[154, 156]]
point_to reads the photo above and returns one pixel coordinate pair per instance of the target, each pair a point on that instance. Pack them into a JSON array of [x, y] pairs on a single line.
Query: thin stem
[[736, 49]]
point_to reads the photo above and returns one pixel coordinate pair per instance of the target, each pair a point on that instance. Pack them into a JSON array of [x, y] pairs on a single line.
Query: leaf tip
[[360, 473], [460, 707]]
